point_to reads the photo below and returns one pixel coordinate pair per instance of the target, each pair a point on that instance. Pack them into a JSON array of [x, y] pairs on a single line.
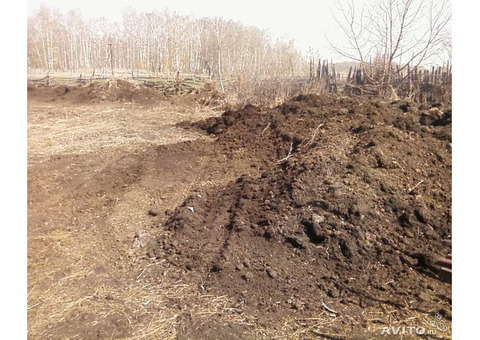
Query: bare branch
[[388, 30]]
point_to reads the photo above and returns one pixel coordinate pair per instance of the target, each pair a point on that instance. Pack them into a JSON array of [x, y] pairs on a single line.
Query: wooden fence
[[417, 83], [324, 74], [167, 84]]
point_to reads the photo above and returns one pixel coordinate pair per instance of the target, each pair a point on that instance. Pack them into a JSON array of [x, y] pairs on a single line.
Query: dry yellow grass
[[53, 129]]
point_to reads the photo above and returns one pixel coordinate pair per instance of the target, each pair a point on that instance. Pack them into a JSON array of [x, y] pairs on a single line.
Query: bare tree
[[392, 33]]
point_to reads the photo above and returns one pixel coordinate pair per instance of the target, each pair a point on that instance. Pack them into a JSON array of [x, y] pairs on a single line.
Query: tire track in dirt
[[85, 210], [94, 172], [90, 260]]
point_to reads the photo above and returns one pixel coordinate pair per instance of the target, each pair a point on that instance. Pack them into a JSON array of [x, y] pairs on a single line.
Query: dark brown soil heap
[[115, 90], [352, 205], [118, 90]]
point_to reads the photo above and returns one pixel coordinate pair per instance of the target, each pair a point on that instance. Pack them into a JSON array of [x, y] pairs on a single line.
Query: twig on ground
[[415, 186], [35, 305], [268, 125], [328, 308], [397, 164], [289, 154], [314, 134]]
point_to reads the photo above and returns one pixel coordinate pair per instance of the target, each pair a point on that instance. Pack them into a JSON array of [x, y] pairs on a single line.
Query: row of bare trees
[[384, 37], [160, 42]]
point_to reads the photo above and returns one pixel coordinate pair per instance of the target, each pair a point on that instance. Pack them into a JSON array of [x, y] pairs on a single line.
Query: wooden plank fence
[[414, 83], [324, 75]]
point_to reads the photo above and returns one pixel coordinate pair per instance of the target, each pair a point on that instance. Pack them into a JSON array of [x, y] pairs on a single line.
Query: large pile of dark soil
[[350, 209]]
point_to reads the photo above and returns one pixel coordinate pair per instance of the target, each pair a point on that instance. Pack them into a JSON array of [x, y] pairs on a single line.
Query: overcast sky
[[305, 21]]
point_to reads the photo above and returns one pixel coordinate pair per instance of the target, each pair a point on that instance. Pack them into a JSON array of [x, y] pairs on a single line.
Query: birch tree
[[158, 42]]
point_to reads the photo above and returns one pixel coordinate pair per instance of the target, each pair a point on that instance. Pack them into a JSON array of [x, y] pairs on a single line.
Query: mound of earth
[[118, 90], [350, 210], [115, 90]]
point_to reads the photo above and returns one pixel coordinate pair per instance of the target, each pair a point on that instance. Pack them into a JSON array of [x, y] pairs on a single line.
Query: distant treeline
[[160, 42]]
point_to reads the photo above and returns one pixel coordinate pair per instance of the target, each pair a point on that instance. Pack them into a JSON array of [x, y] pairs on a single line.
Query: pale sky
[[305, 21]]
